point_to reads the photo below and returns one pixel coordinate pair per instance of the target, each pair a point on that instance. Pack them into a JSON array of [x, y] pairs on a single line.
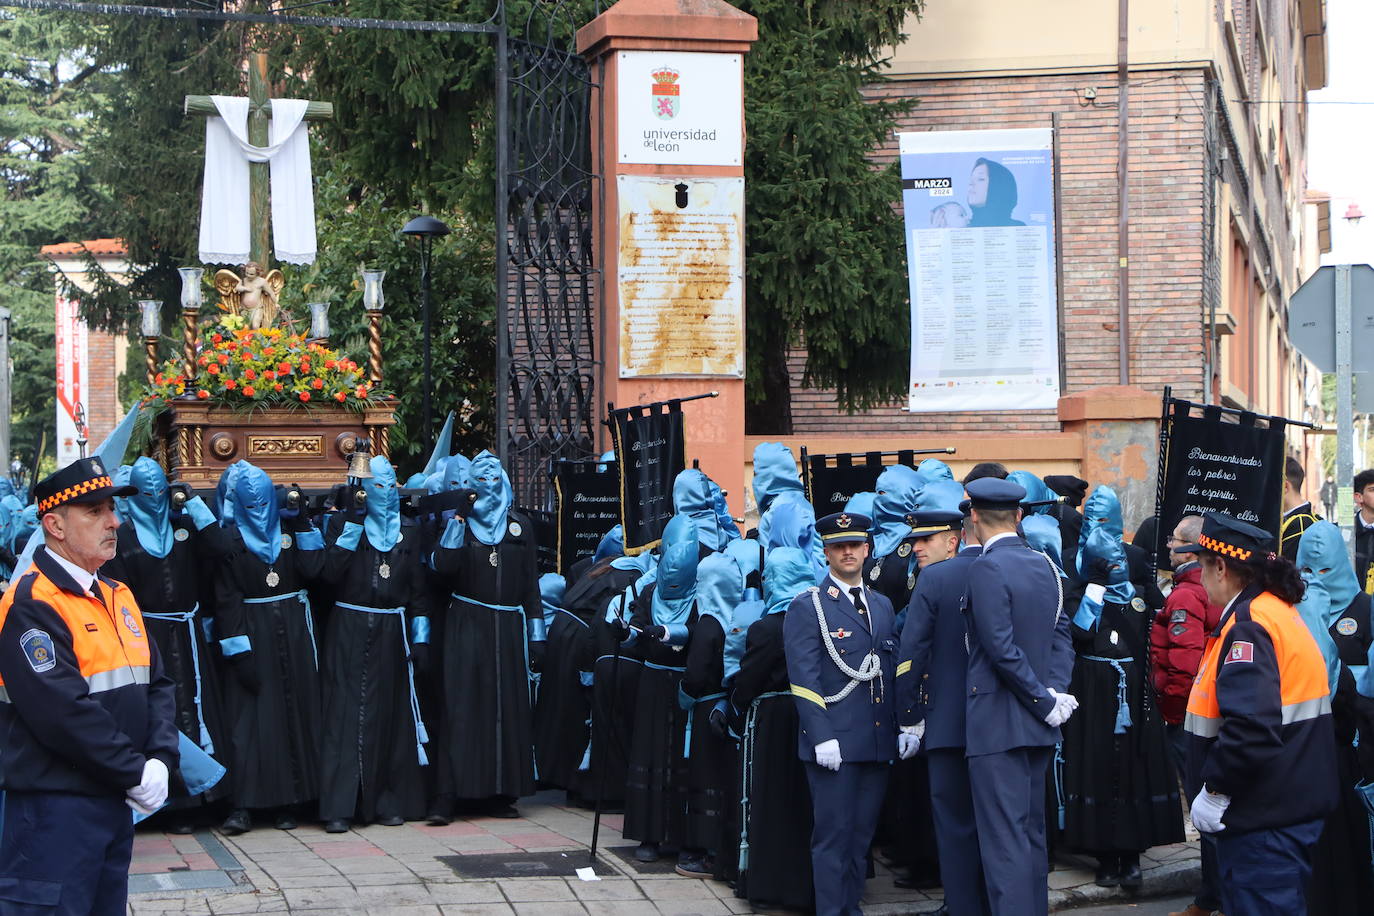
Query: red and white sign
[[1241, 651], [73, 359]]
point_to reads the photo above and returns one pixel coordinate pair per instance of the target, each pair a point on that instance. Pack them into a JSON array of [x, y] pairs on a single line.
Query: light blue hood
[[775, 472], [692, 497], [787, 572], [487, 518], [675, 585], [898, 490], [256, 514], [382, 521], [149, 510]]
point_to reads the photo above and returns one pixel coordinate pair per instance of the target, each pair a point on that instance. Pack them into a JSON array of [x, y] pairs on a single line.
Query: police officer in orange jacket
[[1261, 754], [86, 713]]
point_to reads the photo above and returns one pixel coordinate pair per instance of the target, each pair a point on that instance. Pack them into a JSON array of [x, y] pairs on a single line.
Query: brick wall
[[102, 406], [1166, 195]]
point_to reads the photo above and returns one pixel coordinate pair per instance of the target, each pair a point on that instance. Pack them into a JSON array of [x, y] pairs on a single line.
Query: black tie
[[857, 594]]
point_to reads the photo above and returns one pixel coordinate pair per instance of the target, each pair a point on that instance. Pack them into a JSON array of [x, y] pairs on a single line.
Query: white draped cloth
[[225, 229]]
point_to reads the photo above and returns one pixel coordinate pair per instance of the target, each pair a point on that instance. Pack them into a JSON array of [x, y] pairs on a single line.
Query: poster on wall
[[979, 212], [72, 346]]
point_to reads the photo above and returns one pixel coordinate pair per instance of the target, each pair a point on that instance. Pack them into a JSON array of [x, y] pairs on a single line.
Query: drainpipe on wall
[[1123, 233]]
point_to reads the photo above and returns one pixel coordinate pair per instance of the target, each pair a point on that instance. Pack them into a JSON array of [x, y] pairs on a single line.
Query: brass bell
[[358, 467]]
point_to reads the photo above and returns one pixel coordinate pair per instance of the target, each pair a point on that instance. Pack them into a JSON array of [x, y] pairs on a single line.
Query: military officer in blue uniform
[[1019, 664], [841, 655], [932, 671]]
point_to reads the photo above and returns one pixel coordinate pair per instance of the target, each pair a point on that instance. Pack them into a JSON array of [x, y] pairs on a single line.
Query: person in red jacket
[[1177, 641], [1180, 633]]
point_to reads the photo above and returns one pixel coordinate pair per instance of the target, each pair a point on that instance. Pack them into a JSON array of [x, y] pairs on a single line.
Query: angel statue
[[253, 296]]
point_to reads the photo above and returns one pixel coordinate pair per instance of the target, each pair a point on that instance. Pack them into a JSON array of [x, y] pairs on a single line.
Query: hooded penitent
[[1102, 510], [149, 511], [612, 544], [861, 503], [692, 498], [934, 469], [1001, 198], [1042, 534], [899, 489], [720, 587], [728, 529], [120, 478], [255, 512], [1331, 586], [775, 473], [1039, 499], [943, 495], [675, 584], [487, 519], [786, 574], [382, 521], [552, 586], [1103, 556], [452, 475], [224, 492]]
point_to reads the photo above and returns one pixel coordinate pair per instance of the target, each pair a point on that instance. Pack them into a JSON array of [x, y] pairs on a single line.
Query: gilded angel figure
[[255, 296]]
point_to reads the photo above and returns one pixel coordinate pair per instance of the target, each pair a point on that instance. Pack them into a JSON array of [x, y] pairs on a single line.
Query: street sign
[[1312, 318], [1364, 392]]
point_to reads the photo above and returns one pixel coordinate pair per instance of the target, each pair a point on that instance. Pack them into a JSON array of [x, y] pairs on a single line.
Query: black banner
[[546, 532], [650, 452], [832, 479], [1213, 464], [587, 503]]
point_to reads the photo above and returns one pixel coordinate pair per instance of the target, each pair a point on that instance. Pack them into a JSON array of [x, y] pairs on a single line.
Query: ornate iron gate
[[546, 281]]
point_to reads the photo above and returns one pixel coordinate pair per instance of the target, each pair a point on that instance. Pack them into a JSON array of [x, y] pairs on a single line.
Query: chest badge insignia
[[181, 534], [833, 592], [286, 541], [515, 529], [131, 623], [841, 633], [1347, 626], [904, 550]]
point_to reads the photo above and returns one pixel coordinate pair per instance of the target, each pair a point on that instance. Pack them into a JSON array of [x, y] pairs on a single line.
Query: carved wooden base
[[306, 447]]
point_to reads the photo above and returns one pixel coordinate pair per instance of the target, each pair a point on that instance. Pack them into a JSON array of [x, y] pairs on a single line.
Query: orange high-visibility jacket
[[1259, 718], [83, 698]]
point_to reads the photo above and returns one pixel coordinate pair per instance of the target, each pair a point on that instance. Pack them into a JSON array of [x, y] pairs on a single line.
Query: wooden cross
[[259, 111]]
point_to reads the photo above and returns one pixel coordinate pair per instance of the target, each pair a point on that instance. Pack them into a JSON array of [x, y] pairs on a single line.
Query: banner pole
[[1159, 473]]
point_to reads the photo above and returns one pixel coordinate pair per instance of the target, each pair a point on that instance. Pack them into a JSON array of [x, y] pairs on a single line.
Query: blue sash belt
[[421, 734], [189, 618], [1123, 706], [304, 599], [748, 774]]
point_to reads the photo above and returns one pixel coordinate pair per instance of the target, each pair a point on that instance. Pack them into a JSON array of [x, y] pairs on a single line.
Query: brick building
[[89, 361], [1220, 229]]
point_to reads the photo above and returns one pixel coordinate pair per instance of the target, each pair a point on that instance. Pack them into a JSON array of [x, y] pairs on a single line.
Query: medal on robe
[[181, 534], [272, 578], [285, 541], [515, 529], [904, 550], [876, 572], [492, 558], [384, 570], [910, 581]]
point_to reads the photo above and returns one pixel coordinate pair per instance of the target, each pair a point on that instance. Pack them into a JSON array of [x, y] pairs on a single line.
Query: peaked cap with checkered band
[[83, 481], [1227, 536]]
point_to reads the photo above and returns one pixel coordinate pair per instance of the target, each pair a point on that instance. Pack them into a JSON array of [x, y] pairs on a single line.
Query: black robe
[[656, 778], [487, 748], [562, 714], [774, 850], [1341, 883], [166, 588], [710, 758], [371, 767], [1120, 790], [275, 732], [615, 693]]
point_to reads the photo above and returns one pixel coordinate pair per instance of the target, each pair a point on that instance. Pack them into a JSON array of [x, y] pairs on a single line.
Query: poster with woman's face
[[979, 210]]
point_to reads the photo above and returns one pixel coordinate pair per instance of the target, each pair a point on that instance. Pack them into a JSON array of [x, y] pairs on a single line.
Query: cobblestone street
[[402, 871]]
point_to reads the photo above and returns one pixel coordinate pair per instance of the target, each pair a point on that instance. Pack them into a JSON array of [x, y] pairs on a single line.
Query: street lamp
[[1353, 214], [426, 229]]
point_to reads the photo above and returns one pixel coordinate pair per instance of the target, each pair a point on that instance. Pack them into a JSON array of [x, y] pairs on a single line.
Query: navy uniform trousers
[[1009, 808], [1265, 872], [64, 854], [961, 862], [846, 803]]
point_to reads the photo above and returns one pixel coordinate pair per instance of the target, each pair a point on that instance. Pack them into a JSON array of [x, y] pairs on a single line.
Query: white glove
[[151, 793], [1208, 808], [828, 755], [909, 740], [1064, 705], [1073, 701]]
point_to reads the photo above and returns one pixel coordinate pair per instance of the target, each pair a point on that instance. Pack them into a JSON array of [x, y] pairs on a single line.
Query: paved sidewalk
[[402, 871]]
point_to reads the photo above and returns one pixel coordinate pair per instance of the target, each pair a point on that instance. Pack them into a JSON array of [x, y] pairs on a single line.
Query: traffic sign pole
[[1345, 413]]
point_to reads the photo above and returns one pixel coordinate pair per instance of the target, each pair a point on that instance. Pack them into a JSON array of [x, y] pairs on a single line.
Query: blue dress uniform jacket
[[1017, 648], [932, 667], [865, 721]]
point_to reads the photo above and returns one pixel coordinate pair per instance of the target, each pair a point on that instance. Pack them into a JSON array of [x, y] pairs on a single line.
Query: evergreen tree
[[50, 81]]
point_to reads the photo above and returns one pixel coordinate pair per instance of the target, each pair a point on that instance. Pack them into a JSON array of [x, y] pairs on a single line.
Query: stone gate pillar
[[667, 135]]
